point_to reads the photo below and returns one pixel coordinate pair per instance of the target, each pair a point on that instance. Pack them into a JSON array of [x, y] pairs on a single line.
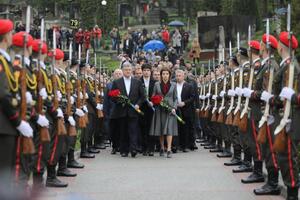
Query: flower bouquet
[[123, 100], [159, 100]]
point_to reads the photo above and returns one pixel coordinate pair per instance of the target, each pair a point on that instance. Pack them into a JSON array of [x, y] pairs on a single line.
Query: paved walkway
[[196, 175]]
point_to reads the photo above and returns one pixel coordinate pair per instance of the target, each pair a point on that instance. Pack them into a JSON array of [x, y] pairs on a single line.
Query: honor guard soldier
[[253, 113], [12, 125], [270, 118], [56, 118], [287, 139]]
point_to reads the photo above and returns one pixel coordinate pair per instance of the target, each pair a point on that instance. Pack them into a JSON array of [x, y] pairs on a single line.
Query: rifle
[[262, 133], [81, 120], [98, 95], [244, 117], [44, 131], [222, 107], [229, 117], [202, 111], [83, 85], [237, 112], [60, 127], [69, 88], [27, 142], [280, 131], [206, 114], [214, 110]]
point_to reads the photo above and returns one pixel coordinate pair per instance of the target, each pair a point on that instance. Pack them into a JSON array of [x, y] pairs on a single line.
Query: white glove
[[79, 112], [43, 121], [86, 96], [207, 95], [239, 91], [43, 93], [231, 93], [71, 121], [247, 92], [81, 95], [222, 93], [29, 99], [59, 95], [266, 96], [214, 97], [287, 93], [72, 100], [25, 129], [59, 113], [99, 106], [85, 109]]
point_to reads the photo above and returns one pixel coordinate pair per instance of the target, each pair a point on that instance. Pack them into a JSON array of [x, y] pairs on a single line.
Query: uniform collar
[[5, 54], [284, 60], [263, 62]]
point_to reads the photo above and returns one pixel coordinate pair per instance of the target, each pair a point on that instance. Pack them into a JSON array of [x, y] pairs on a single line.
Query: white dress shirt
[[127, 82], [147, 82], [179, 87]]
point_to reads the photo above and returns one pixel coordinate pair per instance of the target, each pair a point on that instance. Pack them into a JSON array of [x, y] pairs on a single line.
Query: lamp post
[[103, 3]]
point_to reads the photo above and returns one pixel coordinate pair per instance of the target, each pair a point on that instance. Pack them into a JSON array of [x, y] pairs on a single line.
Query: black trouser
[[147, 141], [93, 128], [114, 132], [42, 153], [186, 133], [57, 145], [128, 134], [7, 160], [99, 131], [87, 132], [288, 163]]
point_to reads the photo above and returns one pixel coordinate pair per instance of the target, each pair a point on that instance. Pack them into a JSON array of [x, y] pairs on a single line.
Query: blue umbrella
[[176, 23], [154, 45]]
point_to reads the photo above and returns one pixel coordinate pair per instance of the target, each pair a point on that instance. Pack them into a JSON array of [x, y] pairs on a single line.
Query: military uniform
[[9, 115]]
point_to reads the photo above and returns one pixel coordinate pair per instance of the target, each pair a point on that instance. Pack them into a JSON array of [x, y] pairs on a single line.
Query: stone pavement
[[195, 175]]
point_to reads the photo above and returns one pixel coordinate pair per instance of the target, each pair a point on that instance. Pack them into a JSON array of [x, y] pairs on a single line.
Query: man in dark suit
[[185, 96], [147, 108], [111, 124], [127, 115]]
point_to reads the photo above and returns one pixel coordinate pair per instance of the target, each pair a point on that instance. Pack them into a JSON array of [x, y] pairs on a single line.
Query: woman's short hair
[[165, 69]]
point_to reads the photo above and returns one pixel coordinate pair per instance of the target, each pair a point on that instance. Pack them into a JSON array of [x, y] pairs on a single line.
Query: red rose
[[156, 99], [114, 93]]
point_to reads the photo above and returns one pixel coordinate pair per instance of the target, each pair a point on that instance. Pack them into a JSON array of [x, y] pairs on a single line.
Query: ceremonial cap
[[18, 39], [59, 54], [272, 40], [36, 46], [6, 26], [254, 44], [284, 39]]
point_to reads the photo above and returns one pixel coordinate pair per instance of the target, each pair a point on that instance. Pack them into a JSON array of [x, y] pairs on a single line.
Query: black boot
[[218, 149], [271, 187], [236, 160], [292, 193], [52, 180], [62, 168], [226, 152], [84, 153], [257, 175], [72, 163], [246, 165]]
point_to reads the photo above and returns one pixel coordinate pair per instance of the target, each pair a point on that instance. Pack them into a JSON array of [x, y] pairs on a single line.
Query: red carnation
[[114, 93], [156, 99]]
